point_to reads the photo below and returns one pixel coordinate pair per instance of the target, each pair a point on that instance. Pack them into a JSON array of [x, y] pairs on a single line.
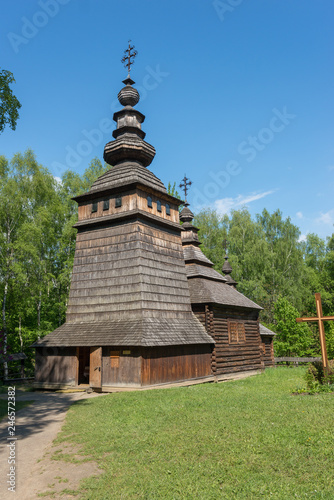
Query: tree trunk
[[39, 305], [20, 333], [5, 365], [59, 306]]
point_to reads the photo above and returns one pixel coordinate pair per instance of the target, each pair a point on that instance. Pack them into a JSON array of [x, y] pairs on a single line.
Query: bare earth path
[[37, 426]]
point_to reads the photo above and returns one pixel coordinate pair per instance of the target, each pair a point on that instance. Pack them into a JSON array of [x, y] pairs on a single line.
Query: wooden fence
[[295, 360]]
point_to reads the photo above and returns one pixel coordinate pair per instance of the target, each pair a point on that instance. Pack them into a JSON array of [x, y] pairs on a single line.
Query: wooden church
[[146, 306]]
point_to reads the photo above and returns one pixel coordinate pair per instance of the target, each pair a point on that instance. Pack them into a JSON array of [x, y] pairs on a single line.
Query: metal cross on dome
[[184, 185], [129, 56]]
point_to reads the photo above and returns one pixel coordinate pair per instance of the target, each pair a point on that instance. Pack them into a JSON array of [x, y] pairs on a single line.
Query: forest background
[[37, 241]]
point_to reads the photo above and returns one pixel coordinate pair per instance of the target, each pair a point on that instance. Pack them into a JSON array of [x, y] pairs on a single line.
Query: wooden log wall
[[268, 351], [56, 365], [228, 357], [176, 363]]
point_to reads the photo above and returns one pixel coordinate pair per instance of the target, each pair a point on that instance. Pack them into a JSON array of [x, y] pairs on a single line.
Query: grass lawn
[[245, 439]]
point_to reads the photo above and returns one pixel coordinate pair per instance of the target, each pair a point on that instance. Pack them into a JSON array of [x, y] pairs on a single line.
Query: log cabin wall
[[268, 351], [176, 363], [55, 365], [243, 354], [121, 366], [230, 356]]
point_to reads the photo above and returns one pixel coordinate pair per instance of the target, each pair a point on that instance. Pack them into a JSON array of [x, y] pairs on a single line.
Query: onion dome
[[129, 144], [128, 96], [186, 214], [227, 270]]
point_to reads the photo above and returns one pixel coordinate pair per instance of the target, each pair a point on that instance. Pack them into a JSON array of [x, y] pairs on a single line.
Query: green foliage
[[319, 381], [173, 191], [293, 339], [9, 104], [246, 439]]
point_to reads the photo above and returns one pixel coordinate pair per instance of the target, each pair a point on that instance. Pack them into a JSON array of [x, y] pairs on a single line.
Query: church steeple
[[129, 144], [227, 268]]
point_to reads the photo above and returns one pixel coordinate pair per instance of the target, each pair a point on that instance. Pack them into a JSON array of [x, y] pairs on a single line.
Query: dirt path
[[37, 426]]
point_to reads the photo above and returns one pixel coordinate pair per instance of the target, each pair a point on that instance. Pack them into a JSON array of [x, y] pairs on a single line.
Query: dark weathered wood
[[226, 356], [56, 365], [124, 371], [145, 255], [295, 359]]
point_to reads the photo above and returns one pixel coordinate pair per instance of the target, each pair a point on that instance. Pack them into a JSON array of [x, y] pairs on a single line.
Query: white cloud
[[225, 205], [299, 215], [57, 179], [302, 237], [326, 218]]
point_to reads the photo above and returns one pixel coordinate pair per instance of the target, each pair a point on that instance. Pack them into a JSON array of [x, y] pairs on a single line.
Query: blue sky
[[238, 94]]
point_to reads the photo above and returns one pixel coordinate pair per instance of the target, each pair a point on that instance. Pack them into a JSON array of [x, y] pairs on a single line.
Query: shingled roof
[[265, 331], [145, 332], [206, 285], [206, 291], [127, 173]]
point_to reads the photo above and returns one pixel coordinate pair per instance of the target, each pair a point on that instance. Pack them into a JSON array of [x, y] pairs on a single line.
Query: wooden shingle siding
[[123, 175], [106, 258]]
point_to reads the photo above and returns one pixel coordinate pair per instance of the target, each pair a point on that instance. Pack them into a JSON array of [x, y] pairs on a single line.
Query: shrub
[[317, 380]]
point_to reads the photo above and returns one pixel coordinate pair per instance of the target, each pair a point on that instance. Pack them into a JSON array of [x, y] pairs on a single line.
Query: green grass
[[18, 406], [246, 439]]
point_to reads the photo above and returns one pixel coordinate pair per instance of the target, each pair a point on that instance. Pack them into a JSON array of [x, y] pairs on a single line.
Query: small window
[[149, 202], [106, 205], [167, 209], [118, 202], [236, 332], [159, 205], [94, 206], [114, 359]]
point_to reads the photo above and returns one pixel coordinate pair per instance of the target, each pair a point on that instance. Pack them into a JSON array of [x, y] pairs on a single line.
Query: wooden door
[[95, 368]]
